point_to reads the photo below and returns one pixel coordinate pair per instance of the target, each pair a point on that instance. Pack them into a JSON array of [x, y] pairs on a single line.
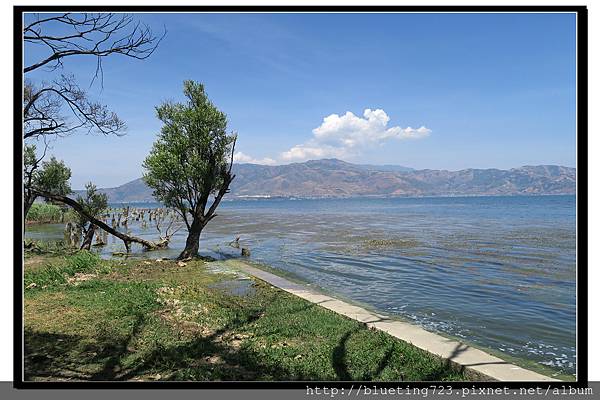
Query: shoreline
[[392, 322], [358, 197], [525, 363], [419, 255], [520, 361], [473, 360]]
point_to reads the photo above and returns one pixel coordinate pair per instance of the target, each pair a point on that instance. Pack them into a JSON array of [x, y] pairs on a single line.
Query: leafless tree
[[95, 34], [44, 110], [49, 107]]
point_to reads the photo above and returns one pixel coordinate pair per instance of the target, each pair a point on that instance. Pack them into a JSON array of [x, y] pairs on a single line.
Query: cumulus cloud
[[346, 135], [240, 157]]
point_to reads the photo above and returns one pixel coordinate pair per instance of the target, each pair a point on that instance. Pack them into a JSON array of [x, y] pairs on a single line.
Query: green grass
[[46, 248], [44, 213], [59, 271], [92, 319]]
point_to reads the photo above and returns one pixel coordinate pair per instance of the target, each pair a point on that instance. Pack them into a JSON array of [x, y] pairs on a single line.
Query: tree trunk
[[27, 203], [88, 237], [192, 243]]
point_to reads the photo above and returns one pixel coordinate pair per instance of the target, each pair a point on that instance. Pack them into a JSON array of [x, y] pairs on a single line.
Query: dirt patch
[[33, 262], [180, 314], [233, 340], [153, 270], [80, 277]]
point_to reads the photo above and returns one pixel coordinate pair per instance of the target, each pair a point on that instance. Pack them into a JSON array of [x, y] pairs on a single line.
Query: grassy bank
[[522, 362], [92, 319], [44, 213]]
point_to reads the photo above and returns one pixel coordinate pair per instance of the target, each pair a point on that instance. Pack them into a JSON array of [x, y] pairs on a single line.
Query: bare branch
[[165, 236], [44, 111], [90, 34]]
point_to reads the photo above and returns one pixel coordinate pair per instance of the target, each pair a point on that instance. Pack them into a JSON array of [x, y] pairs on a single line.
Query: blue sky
[[476, 90]]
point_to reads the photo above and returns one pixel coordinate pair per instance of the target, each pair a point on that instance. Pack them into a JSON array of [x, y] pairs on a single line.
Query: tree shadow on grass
[[442, 369], [206, 357], [53, 356], [58, 357], [338, 358], [48, 357]]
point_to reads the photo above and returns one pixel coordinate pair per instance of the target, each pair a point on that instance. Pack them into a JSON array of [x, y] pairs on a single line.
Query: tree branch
[[93, 34], [43, 108], [127, 239]]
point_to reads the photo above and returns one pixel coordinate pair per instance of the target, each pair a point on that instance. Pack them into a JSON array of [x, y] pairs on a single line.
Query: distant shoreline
[[366, 197]]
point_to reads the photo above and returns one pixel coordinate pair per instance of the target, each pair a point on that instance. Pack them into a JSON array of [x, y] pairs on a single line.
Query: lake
[[496, 272]]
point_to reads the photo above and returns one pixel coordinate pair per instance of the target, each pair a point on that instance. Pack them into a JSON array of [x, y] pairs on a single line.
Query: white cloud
[[344, 136], [311, 151], [240, 157], [410, 133]]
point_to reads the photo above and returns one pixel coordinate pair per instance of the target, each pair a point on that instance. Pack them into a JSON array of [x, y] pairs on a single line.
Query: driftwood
[[165, 237], [127, 239], [71, 234], [235, 243], [88, 237]]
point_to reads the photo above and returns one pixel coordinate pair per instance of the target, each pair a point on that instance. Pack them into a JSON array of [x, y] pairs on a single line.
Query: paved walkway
[[476, 363]]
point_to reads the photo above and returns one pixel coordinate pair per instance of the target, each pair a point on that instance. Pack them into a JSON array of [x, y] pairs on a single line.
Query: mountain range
[[336, 178]]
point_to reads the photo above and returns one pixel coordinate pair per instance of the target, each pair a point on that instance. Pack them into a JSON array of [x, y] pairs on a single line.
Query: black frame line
[[581, 214]]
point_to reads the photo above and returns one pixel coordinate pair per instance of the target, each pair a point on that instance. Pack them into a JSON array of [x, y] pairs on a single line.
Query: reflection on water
[[495, 271]]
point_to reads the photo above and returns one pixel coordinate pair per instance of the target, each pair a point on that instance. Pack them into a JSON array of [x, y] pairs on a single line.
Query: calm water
[[498, 272]]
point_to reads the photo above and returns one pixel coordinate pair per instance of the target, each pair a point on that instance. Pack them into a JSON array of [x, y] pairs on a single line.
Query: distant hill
[[336, 178], [135, 190], [396, 168]]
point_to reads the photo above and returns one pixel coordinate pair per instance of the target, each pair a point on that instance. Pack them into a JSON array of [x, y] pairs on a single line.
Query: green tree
[[31, 164], [94, 204], [191, 161], [50, 176]]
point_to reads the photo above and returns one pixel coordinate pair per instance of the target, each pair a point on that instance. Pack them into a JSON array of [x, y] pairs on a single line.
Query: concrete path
[[476, 363]]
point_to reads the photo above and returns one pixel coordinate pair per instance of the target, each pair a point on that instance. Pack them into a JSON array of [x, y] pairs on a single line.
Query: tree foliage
[[93, 203], [54, 177], [50, 176], [191, 159]]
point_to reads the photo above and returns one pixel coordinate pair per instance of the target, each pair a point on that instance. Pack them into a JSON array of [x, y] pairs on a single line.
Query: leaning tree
[[189, 166]]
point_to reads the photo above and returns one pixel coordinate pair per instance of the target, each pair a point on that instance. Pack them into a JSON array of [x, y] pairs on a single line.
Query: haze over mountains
[[336, 178]]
